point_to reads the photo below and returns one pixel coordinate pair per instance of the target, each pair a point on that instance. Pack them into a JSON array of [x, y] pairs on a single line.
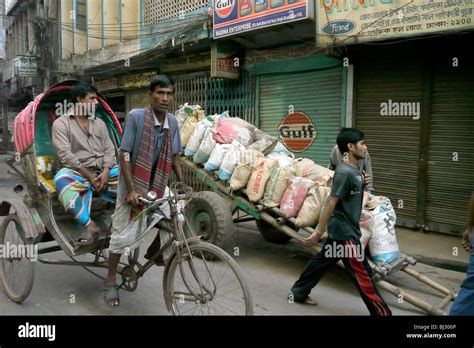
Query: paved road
[[270, 271]]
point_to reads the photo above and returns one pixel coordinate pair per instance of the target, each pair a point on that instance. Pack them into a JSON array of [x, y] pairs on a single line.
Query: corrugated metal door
[[318, 94], [138, 99], [451, 156], [392, 141]]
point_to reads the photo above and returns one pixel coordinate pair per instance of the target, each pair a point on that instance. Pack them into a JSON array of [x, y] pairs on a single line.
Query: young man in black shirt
[[342, 216]]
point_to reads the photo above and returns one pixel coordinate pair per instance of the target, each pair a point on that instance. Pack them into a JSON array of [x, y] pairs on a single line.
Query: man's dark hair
[[81, 90], [346, 136], [161, 81]]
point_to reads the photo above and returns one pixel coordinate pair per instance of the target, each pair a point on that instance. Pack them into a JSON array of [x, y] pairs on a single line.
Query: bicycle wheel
[[17, 271], [206, 281]]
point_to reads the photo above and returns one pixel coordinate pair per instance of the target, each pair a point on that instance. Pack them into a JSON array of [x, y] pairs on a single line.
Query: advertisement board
[[225, 60], [26, 66], [231, 17], [347, 22]]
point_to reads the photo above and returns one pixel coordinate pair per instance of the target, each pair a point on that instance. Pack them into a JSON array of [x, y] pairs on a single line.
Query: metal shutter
[[393, 142], [450, 183], [319, 94]]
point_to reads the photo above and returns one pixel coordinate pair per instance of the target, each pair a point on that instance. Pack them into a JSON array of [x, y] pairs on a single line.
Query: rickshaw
[[199, 278]]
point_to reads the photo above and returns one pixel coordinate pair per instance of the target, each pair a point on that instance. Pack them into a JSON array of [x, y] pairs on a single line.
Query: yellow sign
[[353, 21], [137, 80]]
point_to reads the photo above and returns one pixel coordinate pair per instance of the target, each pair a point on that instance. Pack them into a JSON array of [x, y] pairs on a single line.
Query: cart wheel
[[271, 234], [208, 215], [16, 271]]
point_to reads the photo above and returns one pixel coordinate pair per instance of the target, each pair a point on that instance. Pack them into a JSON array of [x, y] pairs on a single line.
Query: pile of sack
[[247, 158]]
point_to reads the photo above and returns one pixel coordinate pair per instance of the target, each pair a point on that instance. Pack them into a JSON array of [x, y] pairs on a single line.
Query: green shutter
[[319, 94], [450, 181]]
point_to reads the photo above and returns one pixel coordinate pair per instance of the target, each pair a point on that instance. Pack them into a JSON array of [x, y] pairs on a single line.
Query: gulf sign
[[224, 8], [297, 131], [231, 17]]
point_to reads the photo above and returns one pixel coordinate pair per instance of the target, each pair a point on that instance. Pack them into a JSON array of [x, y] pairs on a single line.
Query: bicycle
[[196, 279]]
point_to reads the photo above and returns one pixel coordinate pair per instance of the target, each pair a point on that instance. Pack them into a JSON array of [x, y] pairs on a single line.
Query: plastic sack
[[189, 124], [277, 185], [295, 195], [306, 168], [243, 170], [366, 225], [229, 129], [325, 204], [205, 149], [280, 148], [230, 160], [196, 137], [383, 243], [215, 117], [184, 112], [284, 161], [264, 143], [217, 155], [312, 206], [261, 172]]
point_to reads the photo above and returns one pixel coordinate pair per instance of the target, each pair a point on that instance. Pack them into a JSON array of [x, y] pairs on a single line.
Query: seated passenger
[[86, 156]]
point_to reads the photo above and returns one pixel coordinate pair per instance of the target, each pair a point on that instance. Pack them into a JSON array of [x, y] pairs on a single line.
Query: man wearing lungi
[[149, 150], [87, 157]]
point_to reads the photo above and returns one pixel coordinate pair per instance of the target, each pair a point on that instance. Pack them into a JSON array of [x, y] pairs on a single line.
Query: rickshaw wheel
[[17, 270]]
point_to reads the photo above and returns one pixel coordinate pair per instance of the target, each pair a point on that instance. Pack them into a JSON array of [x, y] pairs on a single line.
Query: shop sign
[[2, 45], [137, 80], [26, 66], [231, 17], [348, 22], [107, 85], [225, 60]]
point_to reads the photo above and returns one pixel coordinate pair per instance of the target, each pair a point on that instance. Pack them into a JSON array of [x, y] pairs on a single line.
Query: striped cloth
[[142, 170], [75, 192]]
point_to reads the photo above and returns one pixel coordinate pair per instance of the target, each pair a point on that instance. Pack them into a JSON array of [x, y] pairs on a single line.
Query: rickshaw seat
[[47, 183]]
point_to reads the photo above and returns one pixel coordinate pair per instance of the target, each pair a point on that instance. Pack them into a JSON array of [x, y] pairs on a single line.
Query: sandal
[[87, 238], [111, 293]]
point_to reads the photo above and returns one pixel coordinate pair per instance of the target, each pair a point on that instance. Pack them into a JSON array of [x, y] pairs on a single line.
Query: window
[[81, 14]]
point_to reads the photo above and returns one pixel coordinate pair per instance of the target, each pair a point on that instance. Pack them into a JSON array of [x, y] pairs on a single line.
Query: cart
[[217, 208]]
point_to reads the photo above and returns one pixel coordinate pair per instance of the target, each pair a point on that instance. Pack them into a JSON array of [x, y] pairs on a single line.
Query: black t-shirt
[[348, 186]]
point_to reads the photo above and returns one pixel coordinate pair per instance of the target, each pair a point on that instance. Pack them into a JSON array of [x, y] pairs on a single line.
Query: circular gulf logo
[[224, 8], [297, 131]]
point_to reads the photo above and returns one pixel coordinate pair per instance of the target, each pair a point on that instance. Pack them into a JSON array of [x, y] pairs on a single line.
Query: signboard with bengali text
[[348, 22]]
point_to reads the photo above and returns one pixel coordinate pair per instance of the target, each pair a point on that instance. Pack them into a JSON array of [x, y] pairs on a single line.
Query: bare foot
[[310, 301]]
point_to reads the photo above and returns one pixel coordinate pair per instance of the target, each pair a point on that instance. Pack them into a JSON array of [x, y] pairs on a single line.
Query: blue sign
[[231, 17]]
